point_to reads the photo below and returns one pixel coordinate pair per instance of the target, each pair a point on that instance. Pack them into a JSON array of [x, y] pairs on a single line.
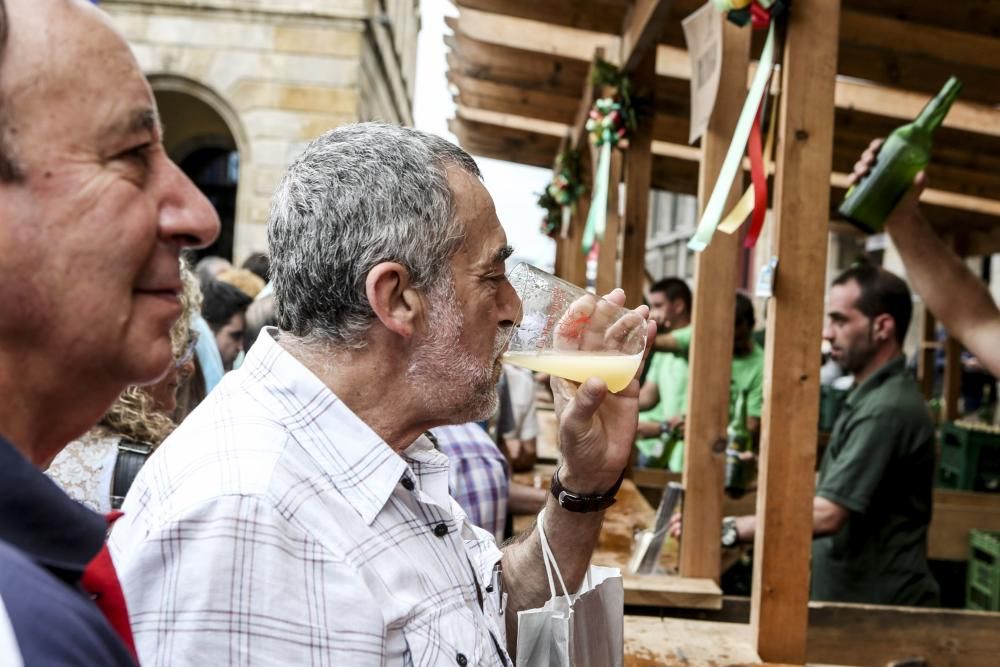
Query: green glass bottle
[[669, 436], [905, 152], [738, 443]]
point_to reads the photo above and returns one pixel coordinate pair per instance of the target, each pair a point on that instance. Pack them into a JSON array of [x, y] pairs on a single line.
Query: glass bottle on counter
[[738, 443]]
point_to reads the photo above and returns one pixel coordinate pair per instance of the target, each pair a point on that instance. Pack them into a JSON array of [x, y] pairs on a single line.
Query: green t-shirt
[[880, 467], [669, 370], [748, 375]]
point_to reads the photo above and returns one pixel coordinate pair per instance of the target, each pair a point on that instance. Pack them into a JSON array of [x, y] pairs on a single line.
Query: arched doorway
[[200, 140]]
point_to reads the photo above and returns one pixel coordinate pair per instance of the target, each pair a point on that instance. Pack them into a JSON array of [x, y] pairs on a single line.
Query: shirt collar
[[876, 379], [358, 463], [40, 520]]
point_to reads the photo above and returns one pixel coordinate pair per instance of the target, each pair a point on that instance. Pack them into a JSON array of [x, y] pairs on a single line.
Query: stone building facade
[[243, 85]]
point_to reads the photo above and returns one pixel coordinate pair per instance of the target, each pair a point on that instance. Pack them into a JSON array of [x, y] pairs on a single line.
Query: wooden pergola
[[851, 70]]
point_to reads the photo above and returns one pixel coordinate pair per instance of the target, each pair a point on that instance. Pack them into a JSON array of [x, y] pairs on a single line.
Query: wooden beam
[[607, 258], [641, 30], [576, 264], [638, 180], [853, 634], [710, 358], [795, 316], [599, 16]]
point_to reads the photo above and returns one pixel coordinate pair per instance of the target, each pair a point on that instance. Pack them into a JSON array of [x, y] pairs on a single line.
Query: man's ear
[[396, 304], [884, 327]]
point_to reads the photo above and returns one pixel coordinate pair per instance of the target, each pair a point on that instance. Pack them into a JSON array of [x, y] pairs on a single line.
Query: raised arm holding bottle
[[933, 268]]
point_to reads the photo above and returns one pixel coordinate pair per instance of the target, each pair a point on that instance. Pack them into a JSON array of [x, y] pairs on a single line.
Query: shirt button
[[407, 483], [441, 530], [461, 660]]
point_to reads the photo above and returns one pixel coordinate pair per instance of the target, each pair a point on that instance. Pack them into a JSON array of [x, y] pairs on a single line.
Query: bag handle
[[550, 562]]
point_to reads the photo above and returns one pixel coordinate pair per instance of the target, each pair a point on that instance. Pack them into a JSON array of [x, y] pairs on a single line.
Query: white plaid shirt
[[274, 527]]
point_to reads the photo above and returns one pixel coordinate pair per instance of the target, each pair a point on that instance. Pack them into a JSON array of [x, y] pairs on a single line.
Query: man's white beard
[[452, 383]]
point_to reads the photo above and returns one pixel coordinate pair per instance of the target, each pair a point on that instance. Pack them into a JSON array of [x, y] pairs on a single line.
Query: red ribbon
[[760, 17], [759, 177], [101, 581]]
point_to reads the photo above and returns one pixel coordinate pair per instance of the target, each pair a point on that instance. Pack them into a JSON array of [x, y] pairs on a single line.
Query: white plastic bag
[[582, 630]]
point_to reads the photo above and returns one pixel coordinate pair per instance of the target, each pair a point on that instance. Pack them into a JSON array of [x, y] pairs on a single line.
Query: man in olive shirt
[[873, 500]]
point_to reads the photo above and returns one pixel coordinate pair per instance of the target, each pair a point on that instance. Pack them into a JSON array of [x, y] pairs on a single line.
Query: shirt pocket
[[449, 636]]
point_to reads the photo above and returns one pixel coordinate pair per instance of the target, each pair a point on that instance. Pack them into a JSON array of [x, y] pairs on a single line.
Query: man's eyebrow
[[140, 120], [502, 254]]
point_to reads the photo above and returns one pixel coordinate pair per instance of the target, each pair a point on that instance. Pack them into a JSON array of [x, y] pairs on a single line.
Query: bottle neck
[[933, 114]]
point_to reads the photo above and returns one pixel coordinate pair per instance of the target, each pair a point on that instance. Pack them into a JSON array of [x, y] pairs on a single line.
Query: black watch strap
[[574, 502]]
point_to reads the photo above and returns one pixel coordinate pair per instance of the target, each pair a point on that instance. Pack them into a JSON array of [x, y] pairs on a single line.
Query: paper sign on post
[[703, 34]]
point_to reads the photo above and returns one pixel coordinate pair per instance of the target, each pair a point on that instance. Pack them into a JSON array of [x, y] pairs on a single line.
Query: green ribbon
[[597, 217]]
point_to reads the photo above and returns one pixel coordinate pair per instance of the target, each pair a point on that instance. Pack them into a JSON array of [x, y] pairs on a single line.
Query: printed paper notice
[[703, 33]]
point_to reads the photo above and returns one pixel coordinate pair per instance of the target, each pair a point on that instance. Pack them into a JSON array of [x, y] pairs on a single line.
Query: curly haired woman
[[98, 468]]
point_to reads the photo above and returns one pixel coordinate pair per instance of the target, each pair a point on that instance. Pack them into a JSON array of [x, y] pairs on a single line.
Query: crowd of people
[[307, 460]]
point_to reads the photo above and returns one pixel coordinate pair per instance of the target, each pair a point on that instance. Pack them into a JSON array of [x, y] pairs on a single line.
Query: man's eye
[[138, 153]]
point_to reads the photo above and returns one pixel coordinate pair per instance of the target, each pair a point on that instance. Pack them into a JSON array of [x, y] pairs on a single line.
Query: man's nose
[[186, 215]]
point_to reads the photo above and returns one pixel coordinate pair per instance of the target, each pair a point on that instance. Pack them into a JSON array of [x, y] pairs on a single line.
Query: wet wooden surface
[[630, 514]]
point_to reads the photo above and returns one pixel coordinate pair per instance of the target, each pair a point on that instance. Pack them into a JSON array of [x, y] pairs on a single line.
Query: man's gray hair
[[358, 196]]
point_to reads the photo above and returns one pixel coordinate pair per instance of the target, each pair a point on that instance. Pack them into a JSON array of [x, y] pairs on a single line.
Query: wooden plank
[[576, 264], [607, 258], [677, 642], [791, 368], [875, 635], [956, 513], [710, 359], [664, 590], [598, 16], [641, 30], [638, 179]]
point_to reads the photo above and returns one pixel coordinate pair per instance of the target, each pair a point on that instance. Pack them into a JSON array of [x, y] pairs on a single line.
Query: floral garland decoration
[[561, 194], [611, 120]]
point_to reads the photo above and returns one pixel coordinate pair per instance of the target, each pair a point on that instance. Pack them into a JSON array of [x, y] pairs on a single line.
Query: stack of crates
[[970, 457], [982, 587]]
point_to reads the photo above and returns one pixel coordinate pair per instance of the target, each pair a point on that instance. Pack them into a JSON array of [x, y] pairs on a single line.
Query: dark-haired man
[[663, 396], [873, 499], [224, 309]]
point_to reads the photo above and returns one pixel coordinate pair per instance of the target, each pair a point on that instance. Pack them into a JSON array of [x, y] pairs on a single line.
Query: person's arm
[[649, 395], [666, 342], [938, 275], [828, 519], [596, 432]]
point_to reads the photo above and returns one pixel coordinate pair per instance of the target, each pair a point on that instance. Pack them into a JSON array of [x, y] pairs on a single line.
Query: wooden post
[[710, 359], [778, 615], [638, 174], [607, 260]]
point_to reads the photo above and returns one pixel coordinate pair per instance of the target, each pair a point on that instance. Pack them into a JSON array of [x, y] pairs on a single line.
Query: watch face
[[729, 534]]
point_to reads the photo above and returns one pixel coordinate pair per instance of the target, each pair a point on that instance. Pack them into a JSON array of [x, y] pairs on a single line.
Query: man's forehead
[[843, 297]]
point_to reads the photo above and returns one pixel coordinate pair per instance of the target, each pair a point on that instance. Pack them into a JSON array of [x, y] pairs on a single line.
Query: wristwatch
[[730, 536], [575, 502]]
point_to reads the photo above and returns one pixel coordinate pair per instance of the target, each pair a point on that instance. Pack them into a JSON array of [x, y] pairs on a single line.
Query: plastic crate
[[970, 458], [982, 588]]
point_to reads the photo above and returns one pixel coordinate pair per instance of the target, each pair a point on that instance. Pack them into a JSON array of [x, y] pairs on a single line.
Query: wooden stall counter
[[628, 515], [677, 642]]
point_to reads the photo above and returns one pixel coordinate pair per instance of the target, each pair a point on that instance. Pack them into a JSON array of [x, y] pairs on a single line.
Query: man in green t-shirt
[[666, 388], [663, 396], [873, 499]]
